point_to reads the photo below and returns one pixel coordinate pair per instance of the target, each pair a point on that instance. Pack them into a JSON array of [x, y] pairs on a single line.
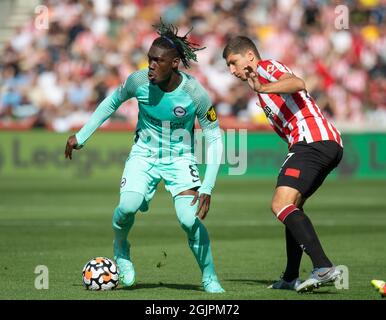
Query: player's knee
[[282, 209], [284, 197], [127, 208], [186, 212], [276, 206], [130, 202], [188, 223], [187, 218]]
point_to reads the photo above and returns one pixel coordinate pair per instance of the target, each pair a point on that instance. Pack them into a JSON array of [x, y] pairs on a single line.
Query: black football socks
[[303, 232], [294, 256]]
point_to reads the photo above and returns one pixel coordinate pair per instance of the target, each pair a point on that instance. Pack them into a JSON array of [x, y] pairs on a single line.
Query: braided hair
[[169, 39]]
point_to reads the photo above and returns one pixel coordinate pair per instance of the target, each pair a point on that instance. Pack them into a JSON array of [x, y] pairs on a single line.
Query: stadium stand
[[55, 77]]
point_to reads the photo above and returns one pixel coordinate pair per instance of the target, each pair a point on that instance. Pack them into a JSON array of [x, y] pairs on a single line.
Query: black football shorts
[[308, 164]]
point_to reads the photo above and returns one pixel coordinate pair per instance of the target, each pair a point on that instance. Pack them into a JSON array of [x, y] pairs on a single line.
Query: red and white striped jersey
[[295, 117]]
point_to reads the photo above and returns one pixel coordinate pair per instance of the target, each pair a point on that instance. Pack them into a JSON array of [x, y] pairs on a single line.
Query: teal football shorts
[[142, 175]]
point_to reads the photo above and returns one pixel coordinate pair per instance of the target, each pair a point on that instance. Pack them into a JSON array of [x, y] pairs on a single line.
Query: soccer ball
[[100, 274]]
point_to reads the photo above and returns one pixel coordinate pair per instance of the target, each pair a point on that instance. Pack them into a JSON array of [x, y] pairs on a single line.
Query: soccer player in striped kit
[[315, 149]]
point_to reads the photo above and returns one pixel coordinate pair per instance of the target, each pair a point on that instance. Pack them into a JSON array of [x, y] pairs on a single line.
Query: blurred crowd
[[55, 77]]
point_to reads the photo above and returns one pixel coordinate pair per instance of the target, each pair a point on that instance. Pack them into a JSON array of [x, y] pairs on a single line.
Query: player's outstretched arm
[[104, 111]]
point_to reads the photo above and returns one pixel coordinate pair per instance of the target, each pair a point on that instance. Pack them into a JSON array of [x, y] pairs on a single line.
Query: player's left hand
[[203, 204], [71, 144], [252, 78]]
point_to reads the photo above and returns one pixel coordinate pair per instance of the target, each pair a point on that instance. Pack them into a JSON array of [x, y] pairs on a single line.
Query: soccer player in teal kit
[[169, 102]]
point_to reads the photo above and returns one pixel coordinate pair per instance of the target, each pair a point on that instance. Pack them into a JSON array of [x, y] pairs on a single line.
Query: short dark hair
[[169, 39], [239, 44]]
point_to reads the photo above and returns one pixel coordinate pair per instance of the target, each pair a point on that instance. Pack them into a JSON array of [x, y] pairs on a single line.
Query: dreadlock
[[169, 39]]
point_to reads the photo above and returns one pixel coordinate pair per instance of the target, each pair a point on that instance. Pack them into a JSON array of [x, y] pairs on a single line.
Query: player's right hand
[[203, 204], [72, 143], [252, 78]]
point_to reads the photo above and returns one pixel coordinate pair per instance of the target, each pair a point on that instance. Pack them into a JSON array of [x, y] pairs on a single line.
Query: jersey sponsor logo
[[179, 111], [173, 124], [211, 114], [268, 112], [270, 68]]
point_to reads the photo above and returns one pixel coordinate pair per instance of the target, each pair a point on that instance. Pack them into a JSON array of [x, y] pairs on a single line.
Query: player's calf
[[123, 220], [303, 231], [198, 240]]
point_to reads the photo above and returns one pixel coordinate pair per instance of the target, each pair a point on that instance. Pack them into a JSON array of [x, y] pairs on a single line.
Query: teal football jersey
[[166, 120], [165, 128]]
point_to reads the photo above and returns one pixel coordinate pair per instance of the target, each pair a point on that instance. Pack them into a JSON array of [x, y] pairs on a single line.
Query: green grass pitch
[[62, 223]]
